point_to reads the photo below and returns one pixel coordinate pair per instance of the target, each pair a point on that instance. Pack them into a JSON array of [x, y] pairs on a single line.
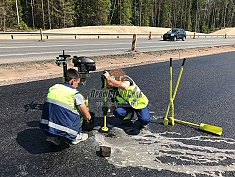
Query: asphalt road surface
[[205, 95], [33, 50]]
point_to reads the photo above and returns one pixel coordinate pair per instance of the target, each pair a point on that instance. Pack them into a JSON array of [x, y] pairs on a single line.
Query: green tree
[[166, 15], [146, 10], [126, 12], [100, 12]]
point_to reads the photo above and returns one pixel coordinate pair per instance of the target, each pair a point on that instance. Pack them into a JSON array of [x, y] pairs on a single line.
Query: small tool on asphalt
[[105, 106], [204, 127], [105, 151]]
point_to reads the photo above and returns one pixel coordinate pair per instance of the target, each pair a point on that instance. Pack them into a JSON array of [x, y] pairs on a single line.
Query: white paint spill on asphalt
[[156, 151]]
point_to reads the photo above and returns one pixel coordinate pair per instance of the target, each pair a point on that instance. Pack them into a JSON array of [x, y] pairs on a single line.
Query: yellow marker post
[[105, 128], [172, 98]]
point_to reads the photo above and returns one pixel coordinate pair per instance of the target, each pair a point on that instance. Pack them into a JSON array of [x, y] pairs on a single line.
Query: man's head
[[73, 77]]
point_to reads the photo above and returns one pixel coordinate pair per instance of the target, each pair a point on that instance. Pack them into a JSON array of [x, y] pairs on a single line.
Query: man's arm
[[120, 84], [84, 111], [79, 101]]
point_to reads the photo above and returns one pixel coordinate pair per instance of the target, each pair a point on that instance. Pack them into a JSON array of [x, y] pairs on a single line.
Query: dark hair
[[71, 74]]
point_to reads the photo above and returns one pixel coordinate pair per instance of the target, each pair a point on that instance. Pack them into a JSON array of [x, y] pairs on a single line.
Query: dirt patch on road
[[14, 73]]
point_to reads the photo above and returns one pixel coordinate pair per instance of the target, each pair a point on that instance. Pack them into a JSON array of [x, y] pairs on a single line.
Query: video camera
[[85, 65]]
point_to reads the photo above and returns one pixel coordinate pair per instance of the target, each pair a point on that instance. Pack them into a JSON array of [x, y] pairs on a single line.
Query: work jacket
[[60, 115], [133, 95]]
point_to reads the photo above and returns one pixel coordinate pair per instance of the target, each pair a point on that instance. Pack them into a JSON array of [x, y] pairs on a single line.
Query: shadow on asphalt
[[33, 140], [32, 105]]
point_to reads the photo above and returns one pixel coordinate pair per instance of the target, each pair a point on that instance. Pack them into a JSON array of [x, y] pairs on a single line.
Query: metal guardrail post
[[41, 34]]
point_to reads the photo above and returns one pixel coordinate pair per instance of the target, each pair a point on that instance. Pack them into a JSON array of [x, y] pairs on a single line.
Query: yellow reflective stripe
[[64, 105], [59, 127], [132, 92], [136, 98]]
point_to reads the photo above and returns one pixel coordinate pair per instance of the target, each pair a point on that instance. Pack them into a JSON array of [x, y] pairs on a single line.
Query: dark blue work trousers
[[142, 114]]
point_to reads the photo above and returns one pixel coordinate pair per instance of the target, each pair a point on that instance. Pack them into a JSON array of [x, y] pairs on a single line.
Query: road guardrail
[[115, 35]]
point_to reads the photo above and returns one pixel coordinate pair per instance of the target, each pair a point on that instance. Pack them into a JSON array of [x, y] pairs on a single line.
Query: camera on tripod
[[85, 65]]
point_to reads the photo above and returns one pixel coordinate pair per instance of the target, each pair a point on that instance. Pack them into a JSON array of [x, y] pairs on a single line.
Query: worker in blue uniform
[[63, 111]]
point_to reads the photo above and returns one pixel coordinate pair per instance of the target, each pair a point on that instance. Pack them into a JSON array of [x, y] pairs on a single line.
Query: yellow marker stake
[[166, 121], [105, 128], [171, 104]]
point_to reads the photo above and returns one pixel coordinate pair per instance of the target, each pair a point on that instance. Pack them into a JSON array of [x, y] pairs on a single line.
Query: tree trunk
[[43, 18], [159, 13], [120, 12], [18, 16], [196, 17], [32, 12], [49, 13], [225, 12], [111, 17], [140, 12], [182, 12]]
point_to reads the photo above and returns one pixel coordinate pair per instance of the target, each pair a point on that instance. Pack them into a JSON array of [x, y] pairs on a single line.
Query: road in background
[[32, 50], [205, 95]]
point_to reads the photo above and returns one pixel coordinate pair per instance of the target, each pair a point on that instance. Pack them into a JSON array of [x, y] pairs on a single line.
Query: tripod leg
[[165, 121]]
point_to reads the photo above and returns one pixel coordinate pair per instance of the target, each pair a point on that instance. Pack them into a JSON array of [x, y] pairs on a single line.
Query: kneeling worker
[[63, 111], [128, 100]]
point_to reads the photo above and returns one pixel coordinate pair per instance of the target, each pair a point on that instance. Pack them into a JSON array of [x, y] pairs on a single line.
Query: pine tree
[[166, 14]]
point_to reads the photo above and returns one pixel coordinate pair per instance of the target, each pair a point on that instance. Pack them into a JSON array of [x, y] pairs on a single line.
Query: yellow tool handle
[[178, 80], [184, 122]]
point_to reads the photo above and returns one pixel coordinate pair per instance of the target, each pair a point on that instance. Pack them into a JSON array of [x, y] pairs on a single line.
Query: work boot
[[127, 123], [54, 140], [80, 137], [143, 127]]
